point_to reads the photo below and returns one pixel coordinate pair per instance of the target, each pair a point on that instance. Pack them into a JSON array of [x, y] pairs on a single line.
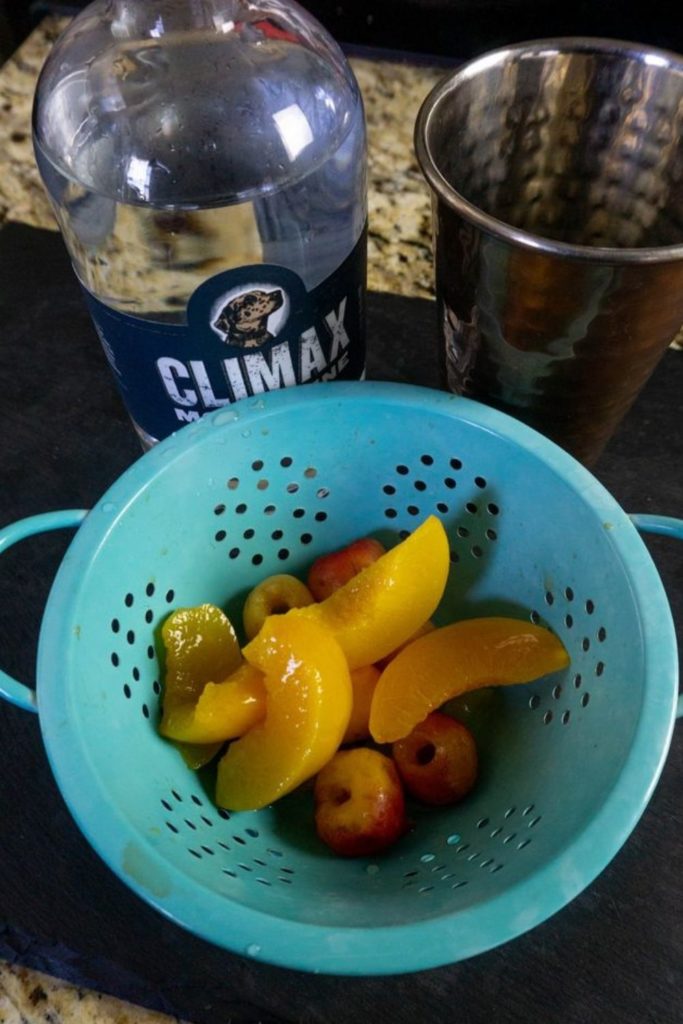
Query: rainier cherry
[[330, 572], [437, 760], [359, 804]]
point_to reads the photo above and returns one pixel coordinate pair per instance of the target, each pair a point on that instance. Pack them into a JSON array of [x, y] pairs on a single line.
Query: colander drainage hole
[[482, 823], [402, 470], [286, 461], [472, 508], [528, 809], [420, 485], [565, 717], [455, 464], [569, 593], [149, 615], [602, 634], [145, 710], [590, 607], [126, 691], [149, 589], [480, 482], [510, 811], [524, 842], [442, 507], [577, 680], [449, 482], [427, 460], [585, 699], [549, 598], [128, 600], [257, 464], [115, 625], [171, 827], [190, 824], [170, 595], [219, 510], [207, 821]]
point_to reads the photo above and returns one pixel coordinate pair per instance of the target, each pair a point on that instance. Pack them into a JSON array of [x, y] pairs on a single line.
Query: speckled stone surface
[[29, 997], [399, 249]]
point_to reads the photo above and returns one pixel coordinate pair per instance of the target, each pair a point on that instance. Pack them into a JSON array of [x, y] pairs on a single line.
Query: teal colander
[[567, 764]]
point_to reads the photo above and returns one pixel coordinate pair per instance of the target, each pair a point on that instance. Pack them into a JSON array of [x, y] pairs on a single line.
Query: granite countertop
[[399, 261]]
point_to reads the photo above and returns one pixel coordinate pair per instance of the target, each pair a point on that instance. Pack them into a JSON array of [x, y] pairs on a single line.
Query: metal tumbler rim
[[493, 225]]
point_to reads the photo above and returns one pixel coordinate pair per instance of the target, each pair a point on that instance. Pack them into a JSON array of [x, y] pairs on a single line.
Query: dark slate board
[[613, 956]]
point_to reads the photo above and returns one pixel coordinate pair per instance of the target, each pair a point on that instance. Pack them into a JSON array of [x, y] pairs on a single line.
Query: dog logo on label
[[249, 317]]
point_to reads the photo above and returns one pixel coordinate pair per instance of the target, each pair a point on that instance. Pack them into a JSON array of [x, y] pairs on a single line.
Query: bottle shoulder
[[194, 114]]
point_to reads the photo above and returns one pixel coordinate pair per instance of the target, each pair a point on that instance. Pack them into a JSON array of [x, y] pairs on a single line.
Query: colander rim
[[383, 950]]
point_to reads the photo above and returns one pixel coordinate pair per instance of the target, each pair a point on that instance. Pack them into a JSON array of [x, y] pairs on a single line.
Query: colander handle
[[668, 527], [10, 689]]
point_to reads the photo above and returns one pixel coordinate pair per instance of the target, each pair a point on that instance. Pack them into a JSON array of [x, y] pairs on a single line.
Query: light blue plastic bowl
[[568, 764]]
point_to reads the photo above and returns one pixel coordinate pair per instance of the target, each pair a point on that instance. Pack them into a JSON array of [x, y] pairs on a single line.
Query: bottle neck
[[156, 18]]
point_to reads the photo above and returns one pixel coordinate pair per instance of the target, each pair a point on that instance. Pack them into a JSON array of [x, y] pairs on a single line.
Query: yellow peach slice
[[307, 711], [386, 603], [199, 645], [454, 659], [223, 711]]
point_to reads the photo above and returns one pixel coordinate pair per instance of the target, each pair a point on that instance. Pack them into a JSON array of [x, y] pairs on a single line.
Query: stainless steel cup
[[556, 170]]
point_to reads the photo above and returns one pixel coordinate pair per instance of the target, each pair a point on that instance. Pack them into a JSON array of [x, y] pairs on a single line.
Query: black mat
[[613, 956]]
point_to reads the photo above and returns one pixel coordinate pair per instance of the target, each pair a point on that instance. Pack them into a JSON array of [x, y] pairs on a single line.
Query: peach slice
[[387, 602], [224, 710], [200, 645], [308, 707], [450, 661]]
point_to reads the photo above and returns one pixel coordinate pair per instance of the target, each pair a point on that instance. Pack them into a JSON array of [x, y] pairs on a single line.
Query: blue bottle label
[[248, 330]]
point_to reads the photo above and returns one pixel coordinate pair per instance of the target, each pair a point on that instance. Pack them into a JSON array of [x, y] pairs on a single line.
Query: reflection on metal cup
[[556, 170]]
